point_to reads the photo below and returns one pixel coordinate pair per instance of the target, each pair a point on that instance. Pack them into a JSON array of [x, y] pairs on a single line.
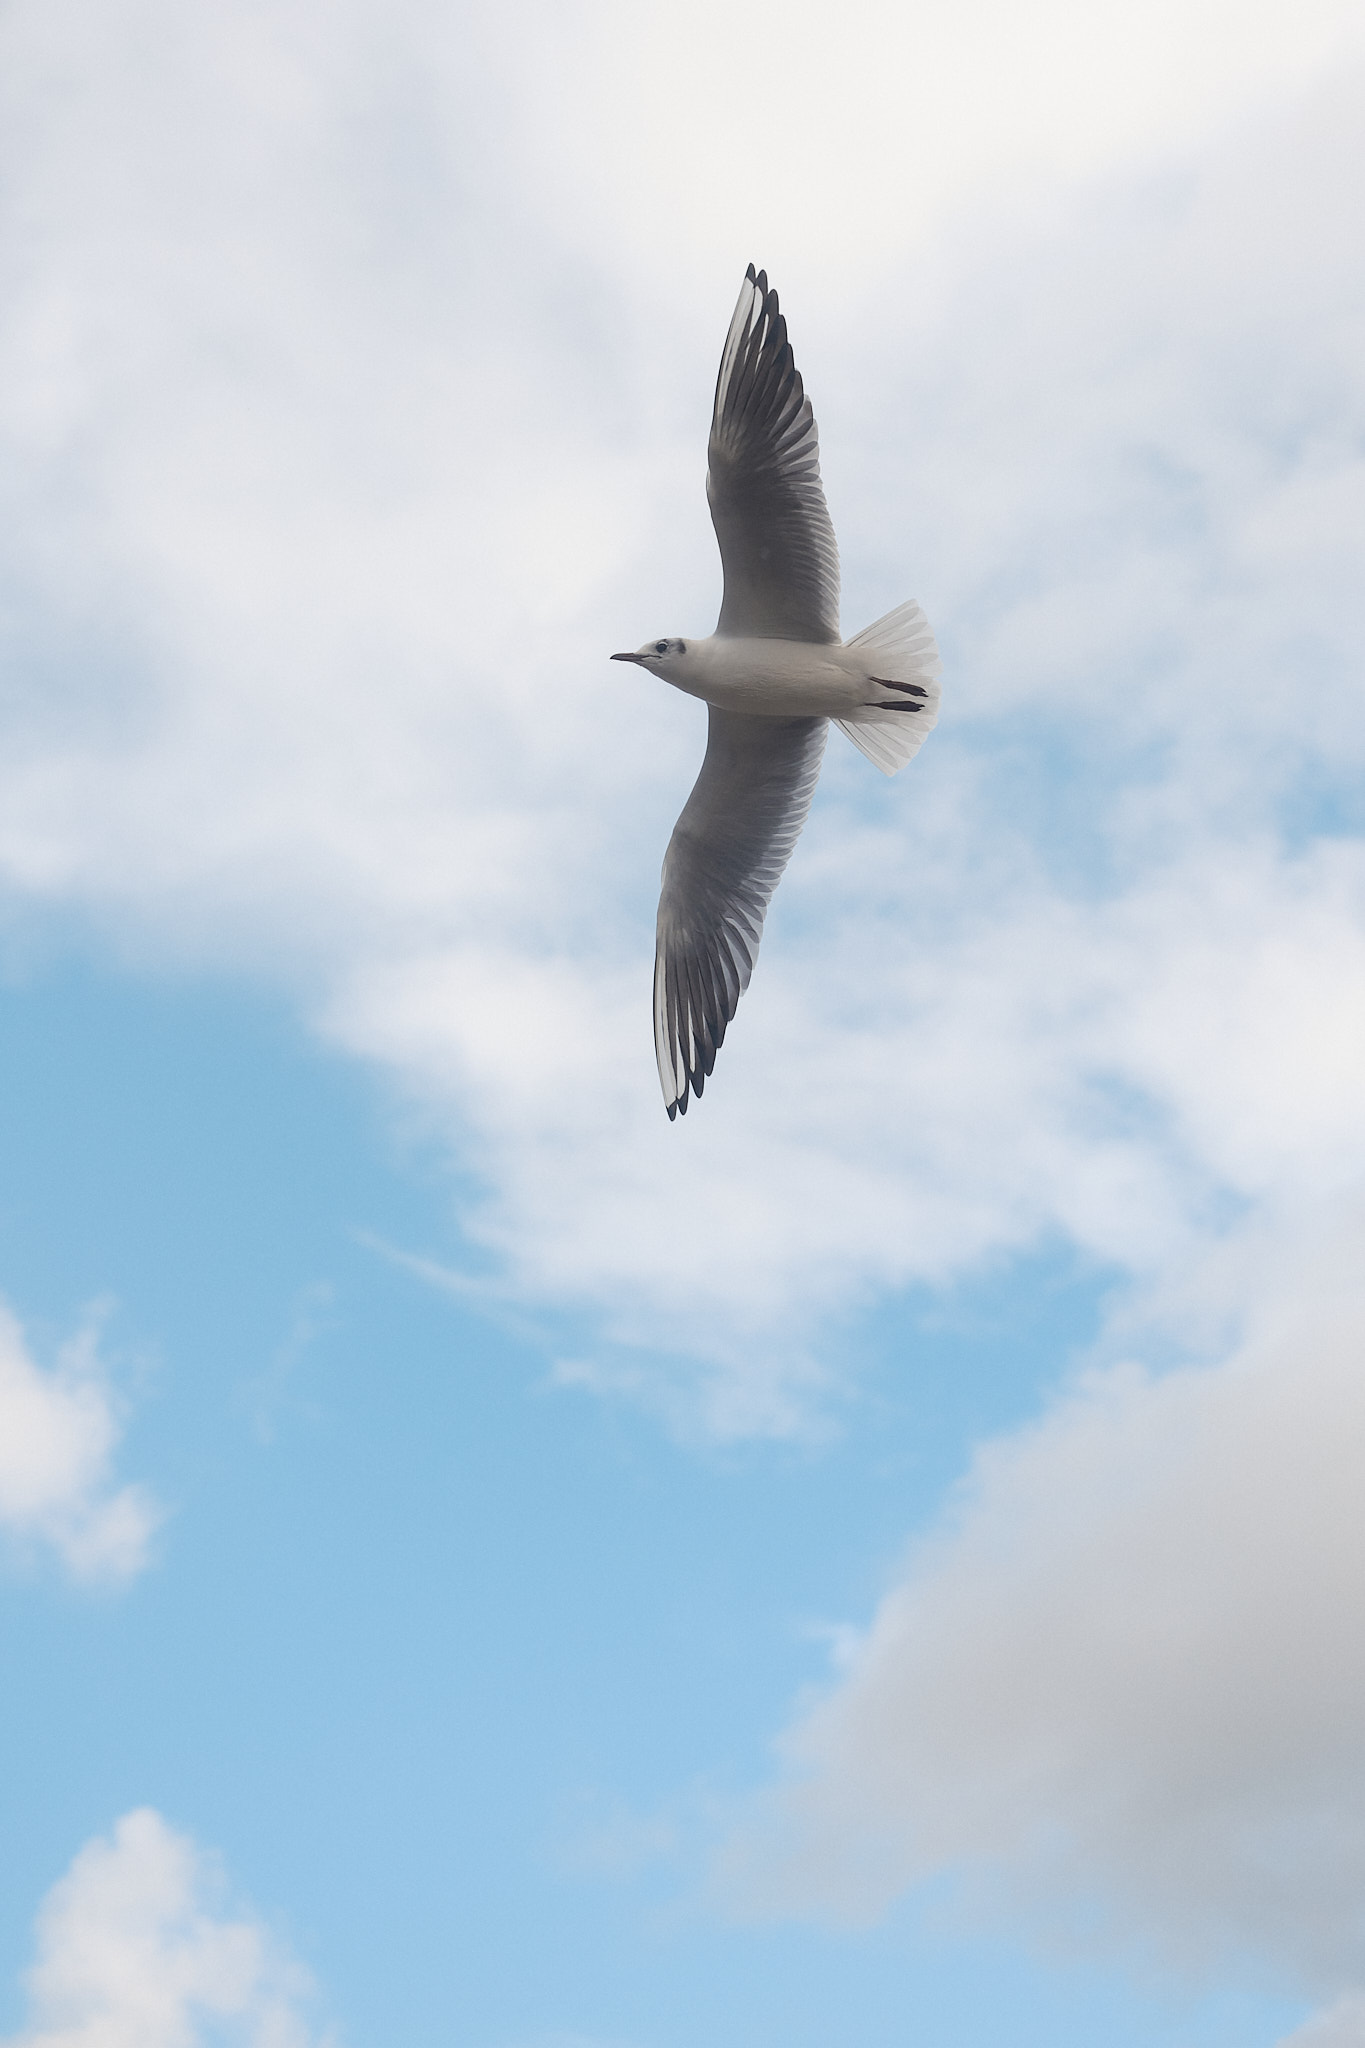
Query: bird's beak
[[627, 657]]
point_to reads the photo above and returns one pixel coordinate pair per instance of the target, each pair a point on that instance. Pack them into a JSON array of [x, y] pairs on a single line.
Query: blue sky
[[883, 1558], [453, 1668]]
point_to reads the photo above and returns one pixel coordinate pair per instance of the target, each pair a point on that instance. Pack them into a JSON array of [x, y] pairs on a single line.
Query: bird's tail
[[904, 660]]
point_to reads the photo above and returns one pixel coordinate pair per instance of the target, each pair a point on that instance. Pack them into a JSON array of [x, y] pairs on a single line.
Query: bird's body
[[784, 678], [774, 673]]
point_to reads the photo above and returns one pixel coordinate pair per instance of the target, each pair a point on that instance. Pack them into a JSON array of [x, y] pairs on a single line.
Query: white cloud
[[58, 1433], [1114, 1069], [135, 1950], [1119, 1690], [324, 514], [840, 142]]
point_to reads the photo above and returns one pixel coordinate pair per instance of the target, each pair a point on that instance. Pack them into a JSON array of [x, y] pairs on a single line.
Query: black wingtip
[[672, 1109], [751, 275]]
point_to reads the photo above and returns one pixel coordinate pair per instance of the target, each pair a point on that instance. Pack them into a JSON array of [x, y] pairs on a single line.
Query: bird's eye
[[661, 647]]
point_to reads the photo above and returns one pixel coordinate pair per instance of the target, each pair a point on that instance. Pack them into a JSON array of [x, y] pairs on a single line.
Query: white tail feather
[[903, 643]]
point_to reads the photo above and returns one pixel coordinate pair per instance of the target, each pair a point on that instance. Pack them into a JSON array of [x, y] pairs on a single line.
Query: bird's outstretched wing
[[726, 856], [777, 545]]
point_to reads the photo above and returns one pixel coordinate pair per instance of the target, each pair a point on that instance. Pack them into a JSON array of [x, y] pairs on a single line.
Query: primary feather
[[768, 507]]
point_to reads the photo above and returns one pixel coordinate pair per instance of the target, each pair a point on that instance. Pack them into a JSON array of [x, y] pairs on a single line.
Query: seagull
[[772, 675]]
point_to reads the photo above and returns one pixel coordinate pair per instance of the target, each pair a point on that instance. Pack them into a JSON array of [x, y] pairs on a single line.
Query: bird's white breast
[[771, 678]]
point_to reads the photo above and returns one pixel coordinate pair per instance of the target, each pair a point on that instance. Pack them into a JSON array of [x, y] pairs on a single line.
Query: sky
[[881, 1559]]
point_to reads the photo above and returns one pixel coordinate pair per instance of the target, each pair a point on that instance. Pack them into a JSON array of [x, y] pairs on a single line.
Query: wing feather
[[777, 544], [726, 856]]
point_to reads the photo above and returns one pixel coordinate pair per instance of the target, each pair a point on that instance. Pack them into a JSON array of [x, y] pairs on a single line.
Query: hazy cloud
[[1119, 1690], [59, 1429]]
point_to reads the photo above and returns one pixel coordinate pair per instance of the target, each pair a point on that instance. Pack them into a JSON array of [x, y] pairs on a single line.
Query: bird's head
[[660, 656]]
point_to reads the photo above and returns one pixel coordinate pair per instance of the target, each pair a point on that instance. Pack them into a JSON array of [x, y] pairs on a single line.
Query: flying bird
[[773, 674]]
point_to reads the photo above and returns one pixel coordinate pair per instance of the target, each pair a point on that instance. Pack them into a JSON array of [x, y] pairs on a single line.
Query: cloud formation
[[323, 518], [136, 1950], [59, 1429], [1119, 1690]]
